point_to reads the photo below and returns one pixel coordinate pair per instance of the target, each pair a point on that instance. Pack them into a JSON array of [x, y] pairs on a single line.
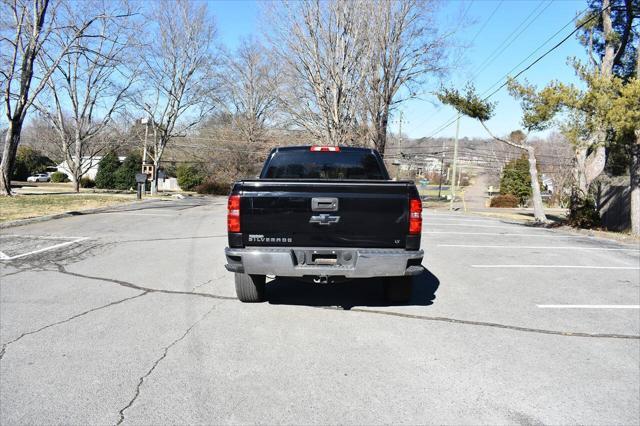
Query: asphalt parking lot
[[128, 316]]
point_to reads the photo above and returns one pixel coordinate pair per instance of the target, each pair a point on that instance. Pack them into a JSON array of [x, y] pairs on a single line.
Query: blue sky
[[528, 22]]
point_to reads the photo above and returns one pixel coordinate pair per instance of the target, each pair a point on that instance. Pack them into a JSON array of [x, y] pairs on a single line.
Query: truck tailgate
[[344, 214]]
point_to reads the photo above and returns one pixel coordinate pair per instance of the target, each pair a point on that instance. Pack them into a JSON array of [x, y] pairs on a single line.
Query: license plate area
[[324, 259], [332, 258]]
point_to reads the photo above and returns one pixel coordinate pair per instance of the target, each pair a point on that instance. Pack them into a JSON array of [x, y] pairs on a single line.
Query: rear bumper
[[352, 262]]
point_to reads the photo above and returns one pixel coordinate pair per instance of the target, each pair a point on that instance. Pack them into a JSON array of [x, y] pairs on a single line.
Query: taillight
[[233, 214], [415, 216], [325, 149]]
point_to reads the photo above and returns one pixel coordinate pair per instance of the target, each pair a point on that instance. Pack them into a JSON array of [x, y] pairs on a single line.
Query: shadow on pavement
[[360, 292]]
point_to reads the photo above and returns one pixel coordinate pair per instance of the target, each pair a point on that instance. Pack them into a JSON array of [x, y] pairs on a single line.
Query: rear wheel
[[250, 288], [398, 289]]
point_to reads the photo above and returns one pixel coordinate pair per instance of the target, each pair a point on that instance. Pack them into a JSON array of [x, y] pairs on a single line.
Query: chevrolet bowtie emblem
[[324, 219]]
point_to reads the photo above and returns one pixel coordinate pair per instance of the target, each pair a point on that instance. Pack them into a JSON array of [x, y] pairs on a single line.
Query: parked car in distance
[[324, 214], [39, 177]]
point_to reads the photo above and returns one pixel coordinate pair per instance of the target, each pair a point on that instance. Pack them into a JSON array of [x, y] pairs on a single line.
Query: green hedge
[[125, 177], [58, 177], [505, 201], [28, 162], [107, 167], [87, 182], [189, 177], [583, 212], [516, 179]]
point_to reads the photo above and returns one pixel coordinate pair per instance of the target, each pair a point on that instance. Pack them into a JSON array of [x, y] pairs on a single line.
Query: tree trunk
[[381, 132], [76, 172], [607, 28], [11, 142], [536, 196], [580, 176], [634, 171], [154, 178], [595, 162], [588, 168]]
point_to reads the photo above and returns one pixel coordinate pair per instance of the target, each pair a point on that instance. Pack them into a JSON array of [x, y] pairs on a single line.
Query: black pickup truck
[[324, 214]]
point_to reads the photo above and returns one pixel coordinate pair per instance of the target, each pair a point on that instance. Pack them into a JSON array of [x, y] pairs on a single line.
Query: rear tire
[[398, 289], [250, 288]]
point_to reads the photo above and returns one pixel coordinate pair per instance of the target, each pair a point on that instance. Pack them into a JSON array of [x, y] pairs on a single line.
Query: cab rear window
[[306, 164]]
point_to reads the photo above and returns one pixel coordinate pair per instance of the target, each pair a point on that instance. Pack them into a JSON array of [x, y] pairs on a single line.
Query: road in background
[[136, 321]]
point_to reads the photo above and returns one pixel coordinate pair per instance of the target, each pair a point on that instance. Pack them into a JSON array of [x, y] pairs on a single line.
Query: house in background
[[165, 183], [90, 164], [547, 182]]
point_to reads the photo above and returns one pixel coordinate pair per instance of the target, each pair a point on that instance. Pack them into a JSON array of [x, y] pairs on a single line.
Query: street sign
[[148, 169], [141, 180]]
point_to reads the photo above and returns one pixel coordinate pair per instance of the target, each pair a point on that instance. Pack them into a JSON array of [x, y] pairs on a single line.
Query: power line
[[579, 27], [486, 22], [538, 48], [502, 47], [473, 152], [485, 159], [453, 119], [468, 152]]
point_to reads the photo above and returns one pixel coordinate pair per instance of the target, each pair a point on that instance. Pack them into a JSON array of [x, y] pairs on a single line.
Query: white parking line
[[436, 217], [438, 221], [77, 240], [538, 247], [39, 237], [589, 306], [464, 225], [142, 214], [506, 234], [433, 213], [634, 268]]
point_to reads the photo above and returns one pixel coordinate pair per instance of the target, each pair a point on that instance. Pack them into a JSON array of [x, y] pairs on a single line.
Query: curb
[[22, 222]]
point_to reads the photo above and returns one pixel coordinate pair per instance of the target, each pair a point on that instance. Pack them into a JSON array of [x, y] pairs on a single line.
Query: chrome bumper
[[350, 262]]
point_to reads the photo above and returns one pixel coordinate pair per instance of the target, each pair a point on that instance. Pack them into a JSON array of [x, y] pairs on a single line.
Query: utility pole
[[145, 121], [441, 170], [142, 187], [455, 161], [399, 146]]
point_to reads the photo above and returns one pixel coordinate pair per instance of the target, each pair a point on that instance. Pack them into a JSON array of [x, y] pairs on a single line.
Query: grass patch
[[443, 193], [27, 206], [433, 192]]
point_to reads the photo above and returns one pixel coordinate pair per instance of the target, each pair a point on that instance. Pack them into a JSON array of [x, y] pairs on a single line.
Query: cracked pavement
[[139, 324]]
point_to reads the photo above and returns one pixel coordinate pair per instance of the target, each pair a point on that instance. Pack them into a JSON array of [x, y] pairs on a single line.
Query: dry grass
[[27, 206], [521, 216], [557, 221]]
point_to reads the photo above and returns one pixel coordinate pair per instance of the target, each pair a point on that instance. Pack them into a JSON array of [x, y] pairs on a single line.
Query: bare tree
[[178, 68], [250, 85], [472, 105], [88, 86], [323, 46], [405, 49], [556, 161], [26, 30]]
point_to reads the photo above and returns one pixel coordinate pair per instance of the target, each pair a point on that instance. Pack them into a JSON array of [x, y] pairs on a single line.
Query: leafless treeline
[[554, 153], [336, 69]]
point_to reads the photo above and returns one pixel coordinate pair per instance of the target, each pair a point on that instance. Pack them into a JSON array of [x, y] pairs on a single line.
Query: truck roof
[[308, 147]]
